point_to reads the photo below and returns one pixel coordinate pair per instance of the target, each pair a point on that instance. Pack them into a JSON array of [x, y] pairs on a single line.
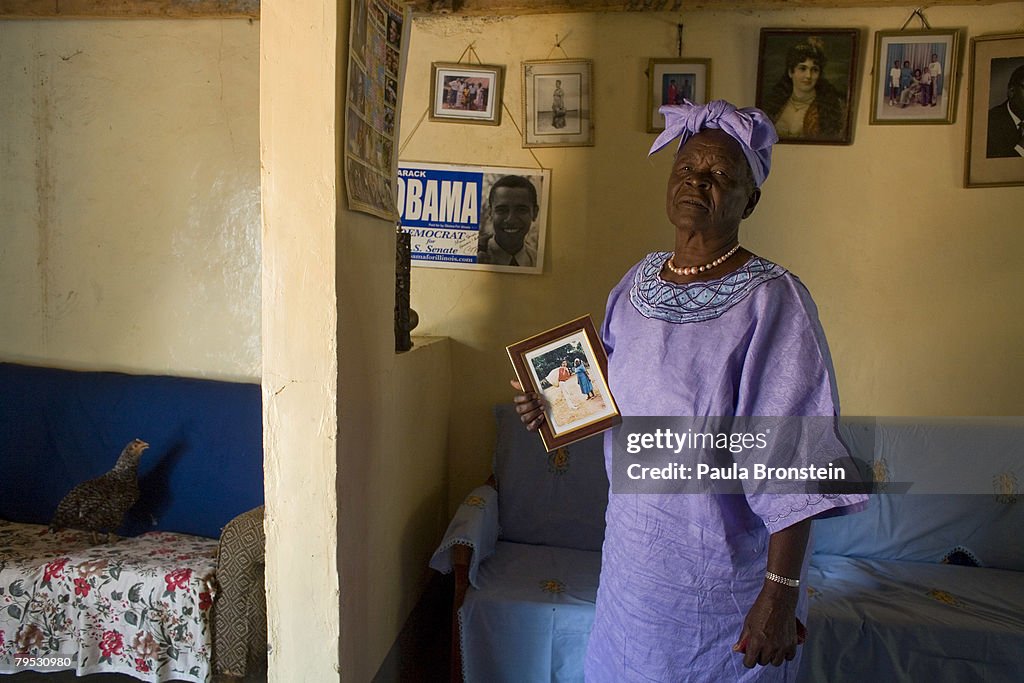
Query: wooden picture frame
[[549, 364], [996, 84], [466, 93], [915, 77], [670, 81], [557, 103], [818, 108]]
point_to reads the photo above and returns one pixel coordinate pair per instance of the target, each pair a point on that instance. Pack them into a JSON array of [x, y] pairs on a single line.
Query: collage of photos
[[374, 68]]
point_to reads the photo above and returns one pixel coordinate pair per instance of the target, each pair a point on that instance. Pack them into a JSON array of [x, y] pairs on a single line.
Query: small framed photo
[[568, 367], [557, 103], [995, 141], [670, 81], [466, 93], [915, 76], [805, 83]]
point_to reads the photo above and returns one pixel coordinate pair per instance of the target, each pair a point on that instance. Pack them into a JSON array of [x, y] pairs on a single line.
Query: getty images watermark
[[814, 455]]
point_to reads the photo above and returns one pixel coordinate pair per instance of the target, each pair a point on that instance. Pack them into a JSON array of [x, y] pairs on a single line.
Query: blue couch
[[203, 470], [890, 594], [59, 428]]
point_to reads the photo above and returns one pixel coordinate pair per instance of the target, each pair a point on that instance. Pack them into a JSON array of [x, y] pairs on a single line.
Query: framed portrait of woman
[[806, 80], [915, 76], [557, 109]]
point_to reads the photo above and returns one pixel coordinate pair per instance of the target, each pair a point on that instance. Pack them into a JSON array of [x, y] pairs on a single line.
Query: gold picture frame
[[821, 117], [922, 88], [560, 364], [991, 157], [558, 103], [670, 81], [466, 93]]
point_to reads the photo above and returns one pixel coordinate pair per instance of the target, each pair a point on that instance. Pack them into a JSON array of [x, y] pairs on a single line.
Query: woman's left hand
[[771, 631]]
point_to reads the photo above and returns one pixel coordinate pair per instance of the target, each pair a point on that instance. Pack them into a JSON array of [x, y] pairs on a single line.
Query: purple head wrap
[[749, 126]]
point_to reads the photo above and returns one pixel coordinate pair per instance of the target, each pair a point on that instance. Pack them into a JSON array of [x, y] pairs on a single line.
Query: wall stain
[[41, 121]]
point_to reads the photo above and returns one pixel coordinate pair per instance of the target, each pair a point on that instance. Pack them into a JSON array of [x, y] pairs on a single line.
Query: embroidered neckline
[[656, 298]]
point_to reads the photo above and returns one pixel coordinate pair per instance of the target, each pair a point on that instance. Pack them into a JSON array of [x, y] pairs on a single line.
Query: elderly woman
[[706, 587], [803, 103]]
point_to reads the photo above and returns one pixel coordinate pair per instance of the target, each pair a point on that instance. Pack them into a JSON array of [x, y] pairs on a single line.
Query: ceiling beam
[[194, 9], [513, 7], [129, 9]]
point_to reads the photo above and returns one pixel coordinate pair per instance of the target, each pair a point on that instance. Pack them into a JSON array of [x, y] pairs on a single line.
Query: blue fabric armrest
[[475, 524]]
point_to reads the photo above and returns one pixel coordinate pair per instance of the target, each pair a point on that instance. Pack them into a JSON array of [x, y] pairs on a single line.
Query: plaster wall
[[129, 196], [912, 273], [355, 435]]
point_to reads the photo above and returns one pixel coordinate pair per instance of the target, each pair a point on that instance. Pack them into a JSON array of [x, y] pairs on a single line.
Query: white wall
[[355, 435], [129, 196]]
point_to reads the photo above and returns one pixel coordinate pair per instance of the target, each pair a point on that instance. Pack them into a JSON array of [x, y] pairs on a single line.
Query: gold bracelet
[[792, 583]]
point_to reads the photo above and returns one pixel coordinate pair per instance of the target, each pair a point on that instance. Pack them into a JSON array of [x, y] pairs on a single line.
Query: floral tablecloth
[[138, 606]]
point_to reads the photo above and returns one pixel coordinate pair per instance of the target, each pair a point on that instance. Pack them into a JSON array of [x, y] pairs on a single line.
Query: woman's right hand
[[529, 406]]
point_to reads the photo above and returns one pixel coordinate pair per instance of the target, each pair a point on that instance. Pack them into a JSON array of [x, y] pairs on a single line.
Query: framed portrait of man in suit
[[995, 134]]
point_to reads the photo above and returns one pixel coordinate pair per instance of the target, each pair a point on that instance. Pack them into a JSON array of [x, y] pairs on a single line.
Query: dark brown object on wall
[[405, 317]]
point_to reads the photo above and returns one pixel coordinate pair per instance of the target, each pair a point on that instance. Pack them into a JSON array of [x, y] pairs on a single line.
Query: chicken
[[99, 505]]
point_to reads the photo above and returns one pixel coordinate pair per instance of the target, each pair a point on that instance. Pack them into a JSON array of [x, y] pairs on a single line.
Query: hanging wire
[[415, 128], [471, 52], [558, 46], [679, 40], [919, 13], [515, 123]]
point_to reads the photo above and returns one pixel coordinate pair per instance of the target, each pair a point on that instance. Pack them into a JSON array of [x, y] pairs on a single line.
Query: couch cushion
[[555, 499], [891, 620], [140, 606], [945, 455], [59, 428], [531, 617]]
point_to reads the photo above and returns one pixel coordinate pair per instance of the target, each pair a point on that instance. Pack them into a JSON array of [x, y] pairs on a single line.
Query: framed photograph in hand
[[567, 367], [995, 129]]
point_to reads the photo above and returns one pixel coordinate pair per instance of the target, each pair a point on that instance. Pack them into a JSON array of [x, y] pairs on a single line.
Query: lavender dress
[[679, 572]]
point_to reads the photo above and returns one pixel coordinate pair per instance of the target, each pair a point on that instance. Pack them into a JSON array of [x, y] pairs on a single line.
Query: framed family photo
[[567, 366], [670, 81], [995, 134], [915, 76], [805, 83], [557, 103], [466, 93]]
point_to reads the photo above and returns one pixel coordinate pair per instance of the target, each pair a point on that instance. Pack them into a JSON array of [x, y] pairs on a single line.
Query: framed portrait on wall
[[995, 134], [805, 82], [557, 108], [915, 76], [670, 81], [466, 93], [567, 365]]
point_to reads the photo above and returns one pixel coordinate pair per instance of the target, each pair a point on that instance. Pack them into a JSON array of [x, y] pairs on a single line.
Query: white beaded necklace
[[695, 270]]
